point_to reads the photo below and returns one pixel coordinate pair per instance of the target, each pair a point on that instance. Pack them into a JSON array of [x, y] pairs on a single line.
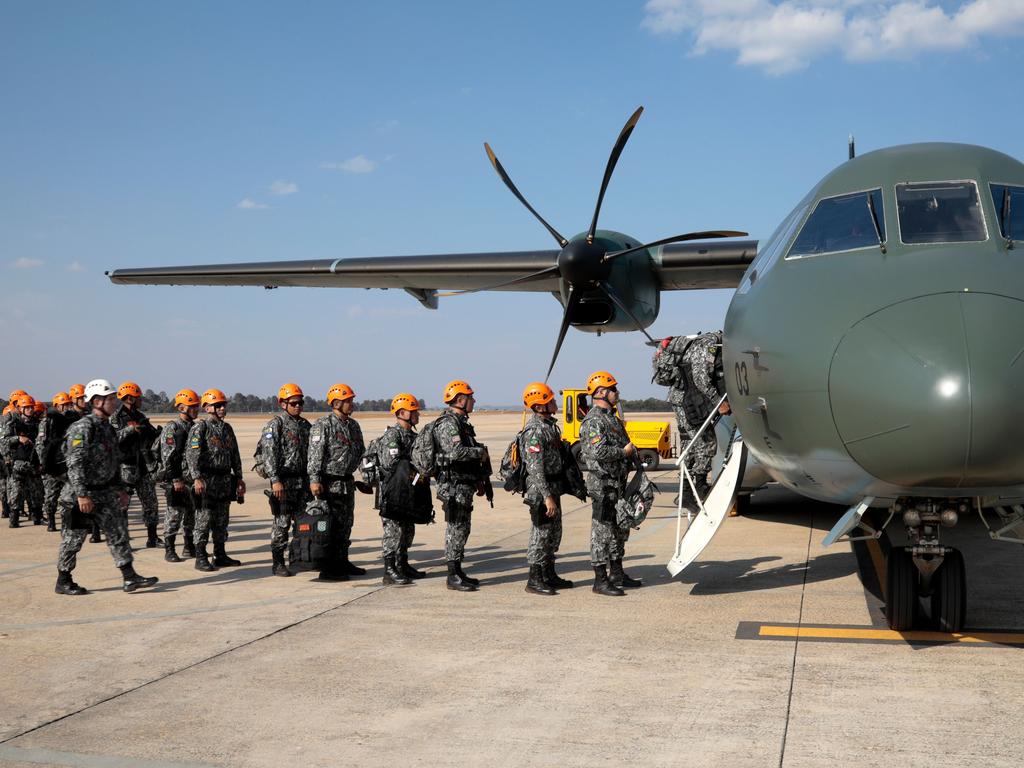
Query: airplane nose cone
[[930, 391]]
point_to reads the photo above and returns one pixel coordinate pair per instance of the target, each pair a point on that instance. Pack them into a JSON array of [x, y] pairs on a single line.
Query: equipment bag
[[369, 466], [636, 501], [403, 500], [667, 361], [424, 450], [310, 547], [512, 471]]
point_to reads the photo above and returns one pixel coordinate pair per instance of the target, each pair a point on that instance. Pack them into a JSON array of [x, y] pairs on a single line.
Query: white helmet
[[98, 388]]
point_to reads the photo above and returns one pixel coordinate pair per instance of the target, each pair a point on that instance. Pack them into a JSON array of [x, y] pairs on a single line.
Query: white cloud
[[26, 263], [74, 266], [781, 36], [282, 187], [248, 204], [357, 164]]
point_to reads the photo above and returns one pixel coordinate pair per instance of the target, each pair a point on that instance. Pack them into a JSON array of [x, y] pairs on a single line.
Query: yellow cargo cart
[[653, 439]]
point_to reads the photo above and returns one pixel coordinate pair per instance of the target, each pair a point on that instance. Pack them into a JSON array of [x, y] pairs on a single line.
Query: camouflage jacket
[[393, 445], [602, 438], [286, 450], [135, 433], [335, 450], [173, 439], [541, 445], [458, 456], [13, 450], [91, 451], [700, 355], [212, 456]]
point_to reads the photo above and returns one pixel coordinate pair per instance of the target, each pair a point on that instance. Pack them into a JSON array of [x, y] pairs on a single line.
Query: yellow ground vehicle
[[653, 439]]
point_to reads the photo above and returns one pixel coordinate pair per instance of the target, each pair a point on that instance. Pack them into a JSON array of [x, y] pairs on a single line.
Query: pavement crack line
[[796, 642]]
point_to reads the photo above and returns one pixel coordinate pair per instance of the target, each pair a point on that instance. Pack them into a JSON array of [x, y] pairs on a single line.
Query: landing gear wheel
[[649, 459], [742, 505], [901, 590], [949, 593]]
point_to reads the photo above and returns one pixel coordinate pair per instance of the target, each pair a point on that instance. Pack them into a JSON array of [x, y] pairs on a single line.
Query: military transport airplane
[[873, 346]]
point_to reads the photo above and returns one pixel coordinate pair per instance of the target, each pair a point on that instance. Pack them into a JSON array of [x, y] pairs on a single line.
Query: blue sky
[[138, 134]]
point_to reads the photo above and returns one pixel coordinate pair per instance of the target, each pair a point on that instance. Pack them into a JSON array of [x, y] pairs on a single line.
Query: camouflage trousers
[[284, 513], [107, 511], [52, 486], [544, 538], [22, 491], [146, 488], [3, 492], [698, 460], [343, 509], [179, 511], [607, 542], [458, 523], [212, 516], [397, 538]]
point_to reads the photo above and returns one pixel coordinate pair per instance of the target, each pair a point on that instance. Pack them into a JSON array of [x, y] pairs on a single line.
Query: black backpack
[[402, 500], [512, 471], [310, 547]]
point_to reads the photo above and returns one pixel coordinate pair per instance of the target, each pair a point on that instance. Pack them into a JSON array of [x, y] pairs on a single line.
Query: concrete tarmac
[[240, 668]]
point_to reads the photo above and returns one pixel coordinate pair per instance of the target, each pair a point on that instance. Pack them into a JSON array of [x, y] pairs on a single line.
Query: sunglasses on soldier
[[296, 403]]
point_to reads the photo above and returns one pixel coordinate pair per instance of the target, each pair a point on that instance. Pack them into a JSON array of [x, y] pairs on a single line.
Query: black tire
[[949, 594], [743, 504], [649, 458], [901, 590], [575, 449]]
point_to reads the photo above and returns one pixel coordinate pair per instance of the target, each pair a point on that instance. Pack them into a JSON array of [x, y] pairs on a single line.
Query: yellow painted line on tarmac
[[887, 635]]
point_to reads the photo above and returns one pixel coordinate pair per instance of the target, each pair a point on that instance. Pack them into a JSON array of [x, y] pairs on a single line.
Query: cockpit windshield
[[940, 212], [842, 223], [1009, 202]]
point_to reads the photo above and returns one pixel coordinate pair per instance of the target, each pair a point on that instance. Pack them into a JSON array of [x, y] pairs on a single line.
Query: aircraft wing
[[678, 266]]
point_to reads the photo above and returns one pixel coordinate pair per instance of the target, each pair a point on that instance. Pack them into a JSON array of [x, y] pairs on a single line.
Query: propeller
[[583, 264]]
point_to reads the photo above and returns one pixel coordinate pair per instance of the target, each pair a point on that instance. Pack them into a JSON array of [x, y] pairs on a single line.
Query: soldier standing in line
[[93, 487], [81, 409], [18, 447], [284, 446], [52, 429], [5, 469], [461, 461], [394, 446], [608, 453], [135, 434], [335, 450], [215, 467], [540, 445], [173, 473]]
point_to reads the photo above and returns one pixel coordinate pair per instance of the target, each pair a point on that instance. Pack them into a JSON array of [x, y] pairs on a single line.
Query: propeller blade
[[607, 288], [620, 143], [496, 286], [677, 239], [508, 183], [570, 303]]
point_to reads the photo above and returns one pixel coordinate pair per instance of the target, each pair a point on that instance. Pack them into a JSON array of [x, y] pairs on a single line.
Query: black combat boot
[[170, 555], [220, 557], [95, 538], [601, 584], [66, 586], [408, 570], [393, 574], [203, 561], [152, 540], [280, 569], [618, 577], [133, 581], [37, 516], [455, 580], [188, 544], [6, 509], [551, 578], [466, 578], [536, 583], [348, 566], [51, 520], [14, 523]]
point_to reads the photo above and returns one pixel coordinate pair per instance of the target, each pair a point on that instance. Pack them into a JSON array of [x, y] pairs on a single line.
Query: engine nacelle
[[632, 278]]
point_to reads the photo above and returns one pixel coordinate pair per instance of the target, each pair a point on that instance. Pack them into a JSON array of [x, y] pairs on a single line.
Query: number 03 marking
[[742, 383]]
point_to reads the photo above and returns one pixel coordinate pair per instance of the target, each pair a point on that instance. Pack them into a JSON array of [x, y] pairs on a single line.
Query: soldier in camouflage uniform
[[79, 410], [93, 487], [215, 466], [52, 429], [393, 446], [17, 445], [461, 461], [608, 453], [136, 435], [540, 450], [180, 511], [285, 453], [335, 449], [8, 409]]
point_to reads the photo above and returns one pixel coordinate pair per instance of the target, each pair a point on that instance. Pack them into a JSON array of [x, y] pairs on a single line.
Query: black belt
[[335, 478]]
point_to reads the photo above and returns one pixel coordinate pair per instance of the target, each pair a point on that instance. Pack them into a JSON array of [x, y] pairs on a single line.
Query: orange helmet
[[600, 379], [25, 401], [340, 392], [455, 388], [16, 394], [288, 390], [61, 398], [40, 407], [213, 396], [404, 400], [8, 408], [537, 393], [128, 388], [76, 391], [186, 397]]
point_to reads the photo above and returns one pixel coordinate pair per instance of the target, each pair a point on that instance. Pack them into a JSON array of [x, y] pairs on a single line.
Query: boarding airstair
[[711, 511]]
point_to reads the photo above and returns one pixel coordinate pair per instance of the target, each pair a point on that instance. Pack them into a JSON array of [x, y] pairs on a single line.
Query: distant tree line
[[649, 404]]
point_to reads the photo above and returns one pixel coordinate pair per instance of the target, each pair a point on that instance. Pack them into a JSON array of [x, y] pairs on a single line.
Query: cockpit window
[[842, 223], [1009, 202], [940, 212]]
